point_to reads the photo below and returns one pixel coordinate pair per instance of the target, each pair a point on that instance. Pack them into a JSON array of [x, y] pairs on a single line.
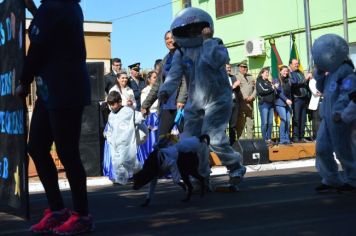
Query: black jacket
[[300, 87], [137, 88], [265, 91], [110, 81], [57, 55]]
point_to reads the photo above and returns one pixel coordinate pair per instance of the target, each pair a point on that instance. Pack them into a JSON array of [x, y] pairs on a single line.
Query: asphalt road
[[279, 202]]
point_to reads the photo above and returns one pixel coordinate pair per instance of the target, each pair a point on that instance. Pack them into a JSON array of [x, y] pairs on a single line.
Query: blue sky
[[137, 38]]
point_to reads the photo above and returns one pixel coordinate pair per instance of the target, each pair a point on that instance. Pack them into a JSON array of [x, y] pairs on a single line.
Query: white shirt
[[126, 94], [144, 94]]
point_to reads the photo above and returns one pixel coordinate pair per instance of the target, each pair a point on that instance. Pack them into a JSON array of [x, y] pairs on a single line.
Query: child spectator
[[121, 140]]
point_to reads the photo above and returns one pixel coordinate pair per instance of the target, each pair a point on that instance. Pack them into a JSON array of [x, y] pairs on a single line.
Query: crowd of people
[[196, 76], [287, 97]]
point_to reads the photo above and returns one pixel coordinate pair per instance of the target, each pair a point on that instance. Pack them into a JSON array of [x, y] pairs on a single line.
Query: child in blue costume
[[202, 59], [335, 80]]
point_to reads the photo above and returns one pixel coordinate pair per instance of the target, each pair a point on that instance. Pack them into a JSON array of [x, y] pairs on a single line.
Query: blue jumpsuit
[[335, 136], [209, 99]]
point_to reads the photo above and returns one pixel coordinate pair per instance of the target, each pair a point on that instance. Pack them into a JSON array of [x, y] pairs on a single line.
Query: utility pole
[[308, 34], [344, 14]]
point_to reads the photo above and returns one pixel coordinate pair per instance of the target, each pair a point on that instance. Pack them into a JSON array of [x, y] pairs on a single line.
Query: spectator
[[157, 66], [265, 92], [136, 83], [248, 95], [284, 103], [110, 78], [167, 111], [314, 103], [151, 120], [57, 115], [126, 93], [300, 99], [235, 85]]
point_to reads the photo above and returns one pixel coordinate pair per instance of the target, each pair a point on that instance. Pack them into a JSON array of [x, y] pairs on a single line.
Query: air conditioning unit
[[255, 47]]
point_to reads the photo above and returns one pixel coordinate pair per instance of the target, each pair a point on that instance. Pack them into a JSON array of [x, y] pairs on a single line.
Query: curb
[[36, 186]]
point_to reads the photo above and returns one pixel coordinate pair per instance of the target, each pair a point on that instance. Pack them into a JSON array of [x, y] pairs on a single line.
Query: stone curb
[[36, 185]]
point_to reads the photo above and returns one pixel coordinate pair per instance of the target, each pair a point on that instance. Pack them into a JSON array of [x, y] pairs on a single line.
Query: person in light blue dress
[[151, 120]]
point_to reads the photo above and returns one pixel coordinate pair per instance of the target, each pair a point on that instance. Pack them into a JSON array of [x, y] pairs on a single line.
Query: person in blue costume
[[349, 117], [335, 80], [202, 60]]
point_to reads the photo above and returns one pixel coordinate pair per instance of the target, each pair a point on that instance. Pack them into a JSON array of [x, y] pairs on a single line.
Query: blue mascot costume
[[201, 59], [335, 80]]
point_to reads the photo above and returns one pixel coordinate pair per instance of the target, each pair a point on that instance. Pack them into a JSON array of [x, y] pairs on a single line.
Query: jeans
[[284, 114], [299, 118], [266, 112]]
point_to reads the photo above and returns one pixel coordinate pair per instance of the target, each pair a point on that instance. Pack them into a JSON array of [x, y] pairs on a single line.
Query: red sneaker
[[50, 220], [76, 224]]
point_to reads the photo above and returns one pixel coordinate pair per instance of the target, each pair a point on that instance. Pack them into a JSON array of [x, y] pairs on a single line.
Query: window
[[228, 7]]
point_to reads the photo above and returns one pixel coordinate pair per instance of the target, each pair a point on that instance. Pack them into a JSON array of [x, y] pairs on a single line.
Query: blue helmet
[[329, 52], [188, 24]]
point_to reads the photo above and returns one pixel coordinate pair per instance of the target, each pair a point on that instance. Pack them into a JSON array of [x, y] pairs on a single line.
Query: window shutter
[[228, 7], [219, 8]]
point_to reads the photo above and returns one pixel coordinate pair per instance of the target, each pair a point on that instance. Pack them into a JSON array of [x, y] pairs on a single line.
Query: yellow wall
[[98, 45]]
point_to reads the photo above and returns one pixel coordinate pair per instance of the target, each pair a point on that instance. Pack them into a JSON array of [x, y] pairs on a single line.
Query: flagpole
[[344, 14], [308, 34]]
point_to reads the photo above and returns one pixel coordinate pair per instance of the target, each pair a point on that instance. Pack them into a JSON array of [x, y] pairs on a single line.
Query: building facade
[[246, 26]]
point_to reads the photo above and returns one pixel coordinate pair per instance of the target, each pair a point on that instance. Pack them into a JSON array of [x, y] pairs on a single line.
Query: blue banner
[[13, 157]]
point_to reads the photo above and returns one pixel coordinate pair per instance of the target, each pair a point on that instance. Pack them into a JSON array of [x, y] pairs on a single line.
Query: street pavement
[[270, 202]]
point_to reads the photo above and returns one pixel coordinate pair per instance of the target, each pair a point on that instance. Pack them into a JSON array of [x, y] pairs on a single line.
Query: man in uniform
[[136, 83], [248, 95], [235, 85]]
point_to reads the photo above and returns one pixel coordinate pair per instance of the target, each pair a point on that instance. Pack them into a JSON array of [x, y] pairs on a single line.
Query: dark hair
[[121, 73], [262, 71], [115, 60], [290, 60], [118, 76], [113, 97], [166, 34], [157, 62], [149, 74], [279, 76]]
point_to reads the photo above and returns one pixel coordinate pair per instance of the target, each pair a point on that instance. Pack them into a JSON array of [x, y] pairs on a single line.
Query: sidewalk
[[36, 186]]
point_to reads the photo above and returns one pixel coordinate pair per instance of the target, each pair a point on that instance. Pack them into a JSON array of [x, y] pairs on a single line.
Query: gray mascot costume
[[335, 80], [202, 61]]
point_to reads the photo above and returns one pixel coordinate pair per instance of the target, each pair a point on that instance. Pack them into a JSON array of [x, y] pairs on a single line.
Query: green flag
[[276, 61], [294, 52]]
